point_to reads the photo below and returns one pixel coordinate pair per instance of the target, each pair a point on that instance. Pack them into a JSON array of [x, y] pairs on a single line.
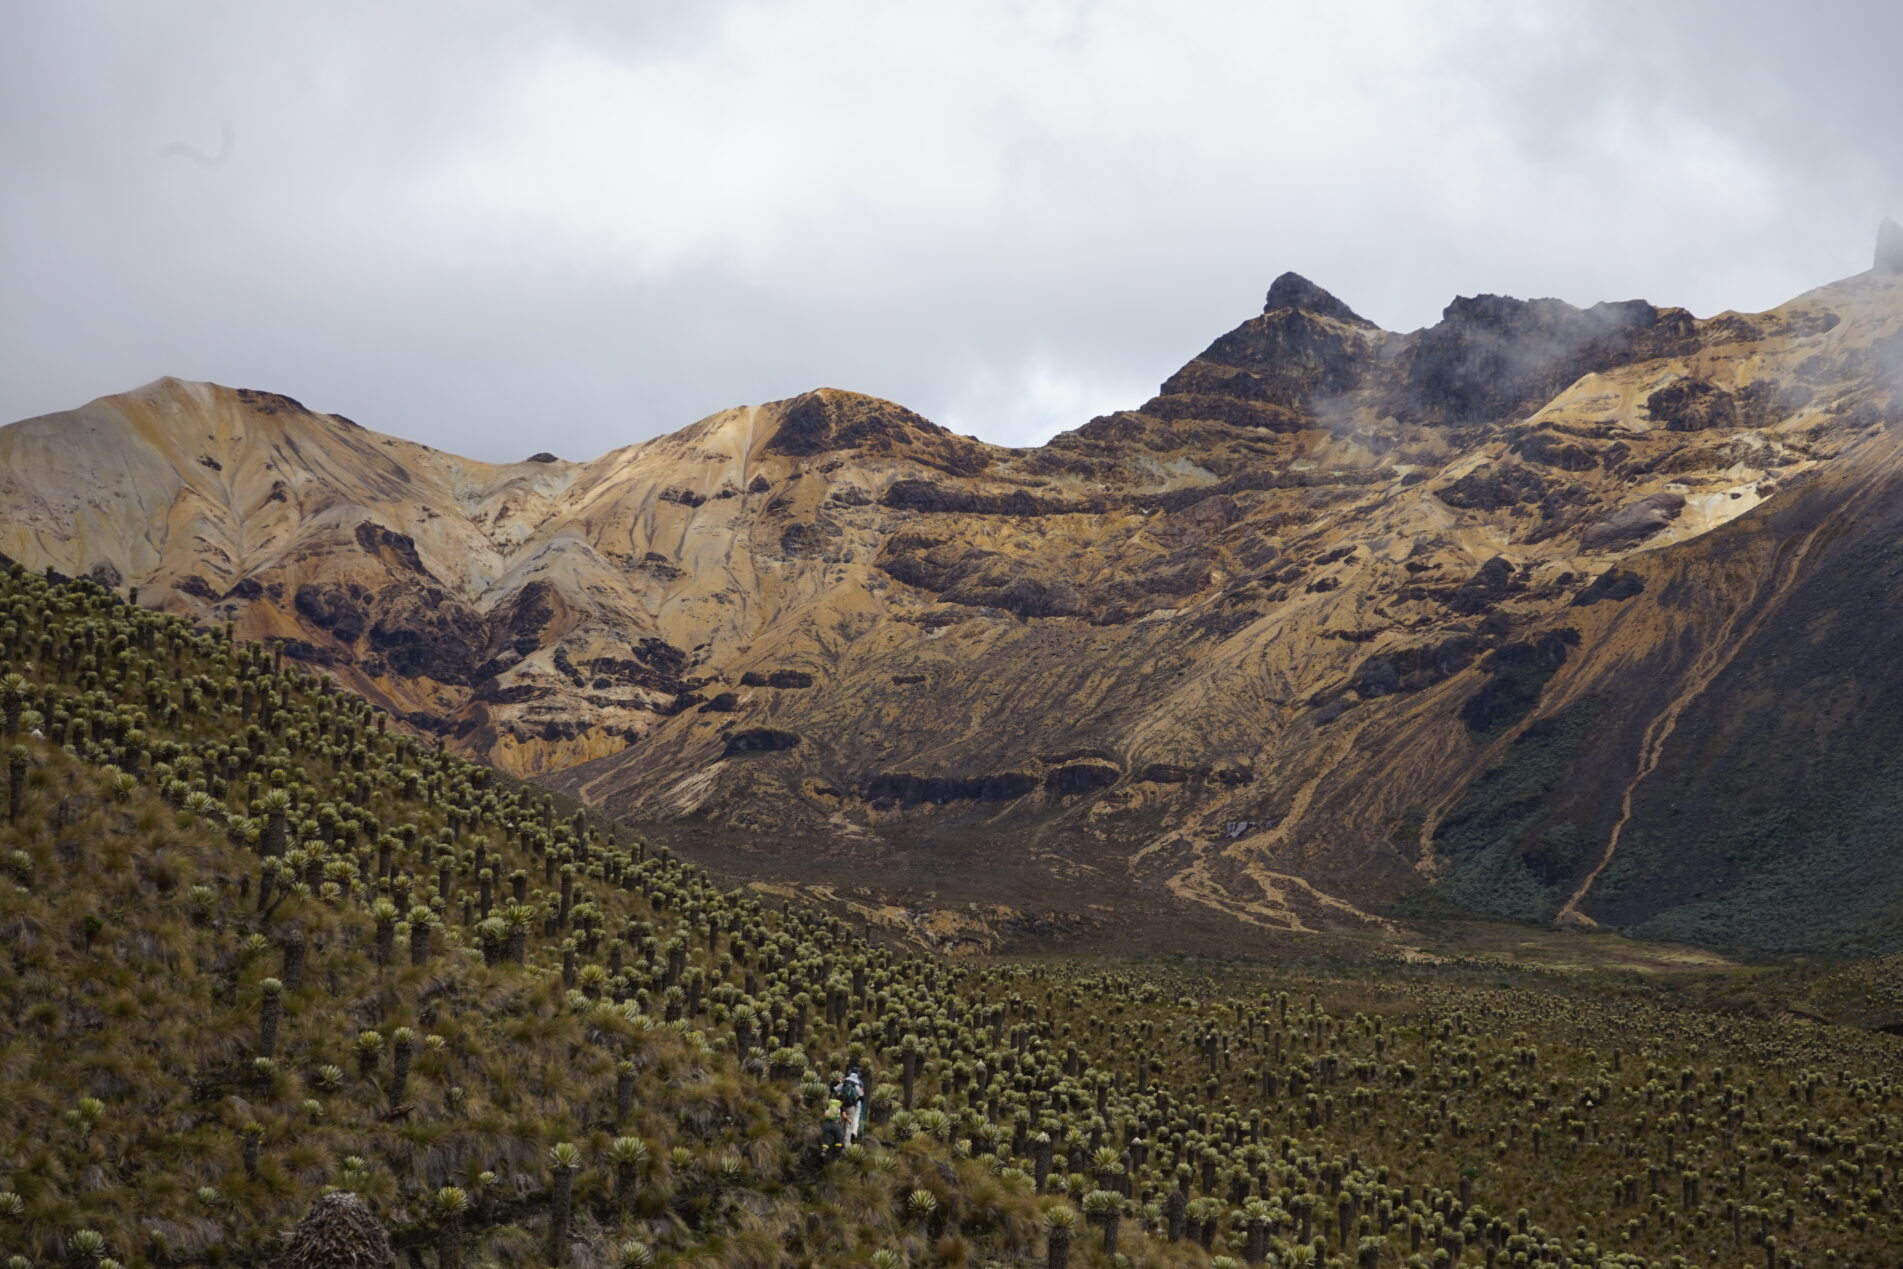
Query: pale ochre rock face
[[1216, 649]]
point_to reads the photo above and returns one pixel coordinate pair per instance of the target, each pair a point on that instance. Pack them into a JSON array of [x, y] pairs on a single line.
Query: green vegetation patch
[[1505, 851], [1818, 873]]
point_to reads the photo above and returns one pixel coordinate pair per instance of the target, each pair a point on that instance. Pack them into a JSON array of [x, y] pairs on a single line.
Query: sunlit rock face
[[1249, 651]]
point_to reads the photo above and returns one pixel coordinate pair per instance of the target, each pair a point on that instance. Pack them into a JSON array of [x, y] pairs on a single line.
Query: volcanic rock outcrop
[[1561, 613]]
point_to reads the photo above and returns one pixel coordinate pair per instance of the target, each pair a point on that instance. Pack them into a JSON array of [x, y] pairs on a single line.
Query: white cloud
[[600, 221]]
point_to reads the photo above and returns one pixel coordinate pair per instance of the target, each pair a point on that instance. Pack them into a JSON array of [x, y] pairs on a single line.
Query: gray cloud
[[509, 226]]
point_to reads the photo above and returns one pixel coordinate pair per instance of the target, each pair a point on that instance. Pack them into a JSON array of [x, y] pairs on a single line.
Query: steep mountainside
[[1570, 613]]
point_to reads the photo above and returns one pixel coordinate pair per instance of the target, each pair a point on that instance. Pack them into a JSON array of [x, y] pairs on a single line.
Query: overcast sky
[[503, 226]]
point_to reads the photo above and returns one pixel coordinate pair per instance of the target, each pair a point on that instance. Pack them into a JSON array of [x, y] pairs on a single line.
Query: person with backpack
[[832, 1131], [851, 1093]]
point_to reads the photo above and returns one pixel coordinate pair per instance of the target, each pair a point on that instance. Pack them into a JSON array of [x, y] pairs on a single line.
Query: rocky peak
[[1490, 354], [1293, 291], [1265, 372], [829, 419], [826, 420], [1889, 247], [1506, 313]]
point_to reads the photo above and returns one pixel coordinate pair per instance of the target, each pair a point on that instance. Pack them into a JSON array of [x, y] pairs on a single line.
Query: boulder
[[1632, 524], [1692, 405], [759, 740], [1613, 584]]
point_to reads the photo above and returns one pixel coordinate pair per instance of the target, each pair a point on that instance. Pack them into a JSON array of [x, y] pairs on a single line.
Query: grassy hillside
[[259, 948]]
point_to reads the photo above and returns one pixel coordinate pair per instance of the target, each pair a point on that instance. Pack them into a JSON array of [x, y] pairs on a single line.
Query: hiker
[[851, 1092], [832, 1131]]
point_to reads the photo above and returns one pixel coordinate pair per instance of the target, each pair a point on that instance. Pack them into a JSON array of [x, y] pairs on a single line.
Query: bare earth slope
[[1569, 614]]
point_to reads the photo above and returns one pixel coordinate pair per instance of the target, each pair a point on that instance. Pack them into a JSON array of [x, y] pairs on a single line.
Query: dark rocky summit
[[1292, 290]]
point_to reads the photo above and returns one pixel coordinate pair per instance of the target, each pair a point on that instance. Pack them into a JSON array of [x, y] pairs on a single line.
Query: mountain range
[[1564, 615]]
